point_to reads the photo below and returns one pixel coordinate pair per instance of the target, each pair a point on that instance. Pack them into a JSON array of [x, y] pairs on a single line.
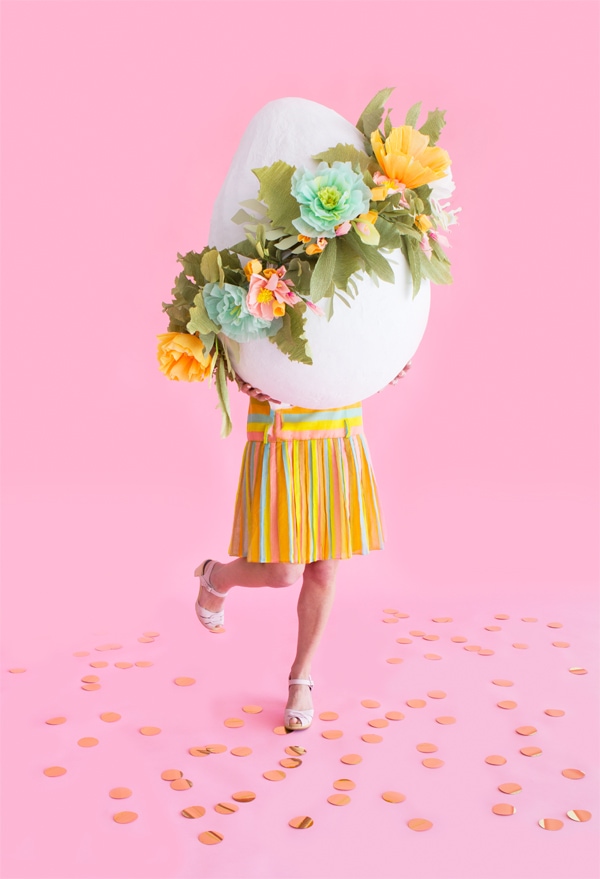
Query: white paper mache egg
[[360, 349]]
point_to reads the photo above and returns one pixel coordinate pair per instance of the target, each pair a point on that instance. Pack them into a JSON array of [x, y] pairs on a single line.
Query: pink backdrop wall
[[119, 121]]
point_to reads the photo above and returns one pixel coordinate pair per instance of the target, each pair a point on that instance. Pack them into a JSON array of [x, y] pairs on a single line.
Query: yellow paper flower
[[254, 267], [182, 357], [365, 228], [405, 156], [422, 222]]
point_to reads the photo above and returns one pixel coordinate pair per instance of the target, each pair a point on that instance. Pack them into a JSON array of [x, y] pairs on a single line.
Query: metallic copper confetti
[[427, 748], [493, 628], [151, 634], [521, 646], [530, 752], [550, 823], [241, 752], [123, 664], [144, 663], [274, 775], [351, 759], [495, 760], [210, 837], [332, 734], [295, 750], [393, 796], [328, 715], [216, 748], [416, 703], [459, 639], [338, 799], [290, 762], [119, 793], [193, 812], [416, 633], [125, 817], [445, 720], [502, 682], [432, 656], [150, 730], [344, 784], [82, 653], [226, 808], [181, 784], [199, 752], [432, 763], [402, 616], [507, 704], [578, 671], [370, 703], [90, 679], [98, 663], [510, 788], [529, 619], [110, 716], [55, 721], [90, 687], [501, 616], [579, 814], [560, 644], [280, 730], [252, 709], [184, 682], [419, 824], [554, 625], [54, 771], [371, 739], [473, 648], [503, 809], [394, 715], [87, 742], [109, 647], [233, 722], [144, 640], [244, 796], [390, 620], [431, 637], [436, 694], [573, 773], [378, 722], [554, 712], [441, 619], [171, 774], [404, 641], [301, 822], [485, 652], [526, 730], [394, 660], [389, 610]]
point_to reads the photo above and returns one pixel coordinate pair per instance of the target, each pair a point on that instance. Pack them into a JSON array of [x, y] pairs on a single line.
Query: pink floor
[[63, 826]]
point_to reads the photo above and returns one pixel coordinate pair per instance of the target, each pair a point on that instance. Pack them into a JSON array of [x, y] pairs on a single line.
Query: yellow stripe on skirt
[[307, 490]]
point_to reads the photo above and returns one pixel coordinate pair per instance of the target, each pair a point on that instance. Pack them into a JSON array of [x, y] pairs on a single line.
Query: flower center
[[264, 295], [329, 197]]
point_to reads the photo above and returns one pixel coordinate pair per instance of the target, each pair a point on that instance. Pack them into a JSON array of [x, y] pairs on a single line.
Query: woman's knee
[[282, 573]]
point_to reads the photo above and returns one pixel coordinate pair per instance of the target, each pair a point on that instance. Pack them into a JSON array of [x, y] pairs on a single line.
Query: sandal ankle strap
[[205, 576], [308, 681]]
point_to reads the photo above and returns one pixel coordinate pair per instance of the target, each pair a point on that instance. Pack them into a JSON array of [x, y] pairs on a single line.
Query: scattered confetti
[[344, 784], [226, 808], [123, 664], [171, 774], [90, 687], [394, 660], [459, 639], [504, 809], [432, 763], [54, 771], [193, 812], [578, 671], [416, 703], [241, 752], [393, 796], [295, 750], [125, 817], [507, 704], [110, 716], [150, 730], [210, 837], [244, 796], [90, 679], [442, 619], [432, 656], [573, 773], [526, 730], [554, 625], [427, 748], [550, 823], [233, 722], [502, 682], [144, 663], [560, 644], [328, 715], [181, 784], [378, 722], [274, 775], [445, 720], [371, 739], [370, 703], [119, 793], [579, 814], [510, 788], [290, 762], [332, 734], [404, 641], [338, 799], [531, 752], [394, 715], [87, 742], [55, 721], [520, 646], [419, 824], [495, 760], [184, 682], [82, 653], [436, 694], [99, 663], [301, 822], [252, 709], [554, 712], [351, 759]]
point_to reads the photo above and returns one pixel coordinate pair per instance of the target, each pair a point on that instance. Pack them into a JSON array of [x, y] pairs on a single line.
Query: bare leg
[[314, 605], [241, 572]]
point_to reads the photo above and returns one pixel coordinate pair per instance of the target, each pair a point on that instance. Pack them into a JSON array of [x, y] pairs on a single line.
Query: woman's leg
[[241, 572], [314, 605]]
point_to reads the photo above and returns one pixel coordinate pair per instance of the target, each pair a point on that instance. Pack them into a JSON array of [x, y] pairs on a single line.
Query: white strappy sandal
[[210, 619], [304, 716]]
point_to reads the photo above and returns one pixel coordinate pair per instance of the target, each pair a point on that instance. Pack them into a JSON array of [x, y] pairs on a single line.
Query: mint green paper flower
[[328, 197], [226, 306]]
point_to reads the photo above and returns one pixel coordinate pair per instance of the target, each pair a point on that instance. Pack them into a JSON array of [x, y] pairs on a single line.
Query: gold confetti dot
[[378, 722], [441, 619], [503, 809], [493, 628], [560, 644], [150, 730], [301, 822], [244, 796], [502, 682], [210, 837], [495, 760], [332, 734], [419, 824], [404, 641], [184, 682], [485, 652], [393, 796], [530, 752], [216, 748], [554, 625], [123, 664], [501, 616], [389, 610], [55, 721], [98, 663], [529, 619], [338, 799], [445, 720], [125, 817], [82, 653], [199, 752], [90, 687], [90, 679], [432, 656], [151, 634], [54, 771], [110, 716], [416, 703], [295, 750], [171, 774], [578, 671], [109, 647], [290, 762], [394, 715], [507, 704], [144, 663], [371, 738], [573, 773], [550, 823], [226, 808], [370, 703], [351, 759], [579, 814], [274, 775], [554, 712], [436, 694], [181, 784], [144, 640], [394, 660], [459, 639], [233, 722], [119, 793], [432, 763], [193, 812], [87, 742], [416, 633], [344, 784], [402, 616], [427, 748], [473, 648], [252, 709], [510, 788], [526, 730], [328, 715], [241, 752], [520, 646], [280, 730], [431, 637], [390, 620]]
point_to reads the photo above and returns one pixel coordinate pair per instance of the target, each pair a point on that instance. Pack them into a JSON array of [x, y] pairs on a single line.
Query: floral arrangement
[[306, 235]]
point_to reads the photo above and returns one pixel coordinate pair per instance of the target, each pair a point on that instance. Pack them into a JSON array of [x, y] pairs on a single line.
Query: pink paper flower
[[268, 294], [425, 246]]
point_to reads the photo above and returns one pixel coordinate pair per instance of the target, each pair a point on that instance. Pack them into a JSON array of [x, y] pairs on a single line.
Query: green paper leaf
[[211, 267], [413, 255], [286, 243], [290, 338], [371, 116], [344, 152], [347, 262], [245, 248], [321, 283], [275, 191], [433, 126], [199, 320], [223, 392], [412, 117], [192, 262], [300, 272], [375, 264]]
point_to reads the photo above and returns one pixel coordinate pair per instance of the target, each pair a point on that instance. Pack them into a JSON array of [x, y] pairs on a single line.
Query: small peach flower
[[182, 357], [425, 246], [304, 238], [386, 186], [252, 268], [319, 247], [268, 294], [422, 222]]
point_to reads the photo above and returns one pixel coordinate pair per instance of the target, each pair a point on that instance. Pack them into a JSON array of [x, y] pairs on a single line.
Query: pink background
[[119, 121]]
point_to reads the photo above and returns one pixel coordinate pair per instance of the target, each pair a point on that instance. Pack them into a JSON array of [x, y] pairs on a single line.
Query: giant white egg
[[359, 349]]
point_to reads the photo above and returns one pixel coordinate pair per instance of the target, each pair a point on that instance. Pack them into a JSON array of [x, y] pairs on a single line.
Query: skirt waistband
[[296, 423]]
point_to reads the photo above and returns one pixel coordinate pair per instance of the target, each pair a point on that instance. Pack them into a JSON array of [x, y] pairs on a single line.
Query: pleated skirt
[[306, 490]]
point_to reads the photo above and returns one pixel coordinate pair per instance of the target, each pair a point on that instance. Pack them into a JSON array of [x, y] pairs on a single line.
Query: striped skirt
[[306, 490]]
